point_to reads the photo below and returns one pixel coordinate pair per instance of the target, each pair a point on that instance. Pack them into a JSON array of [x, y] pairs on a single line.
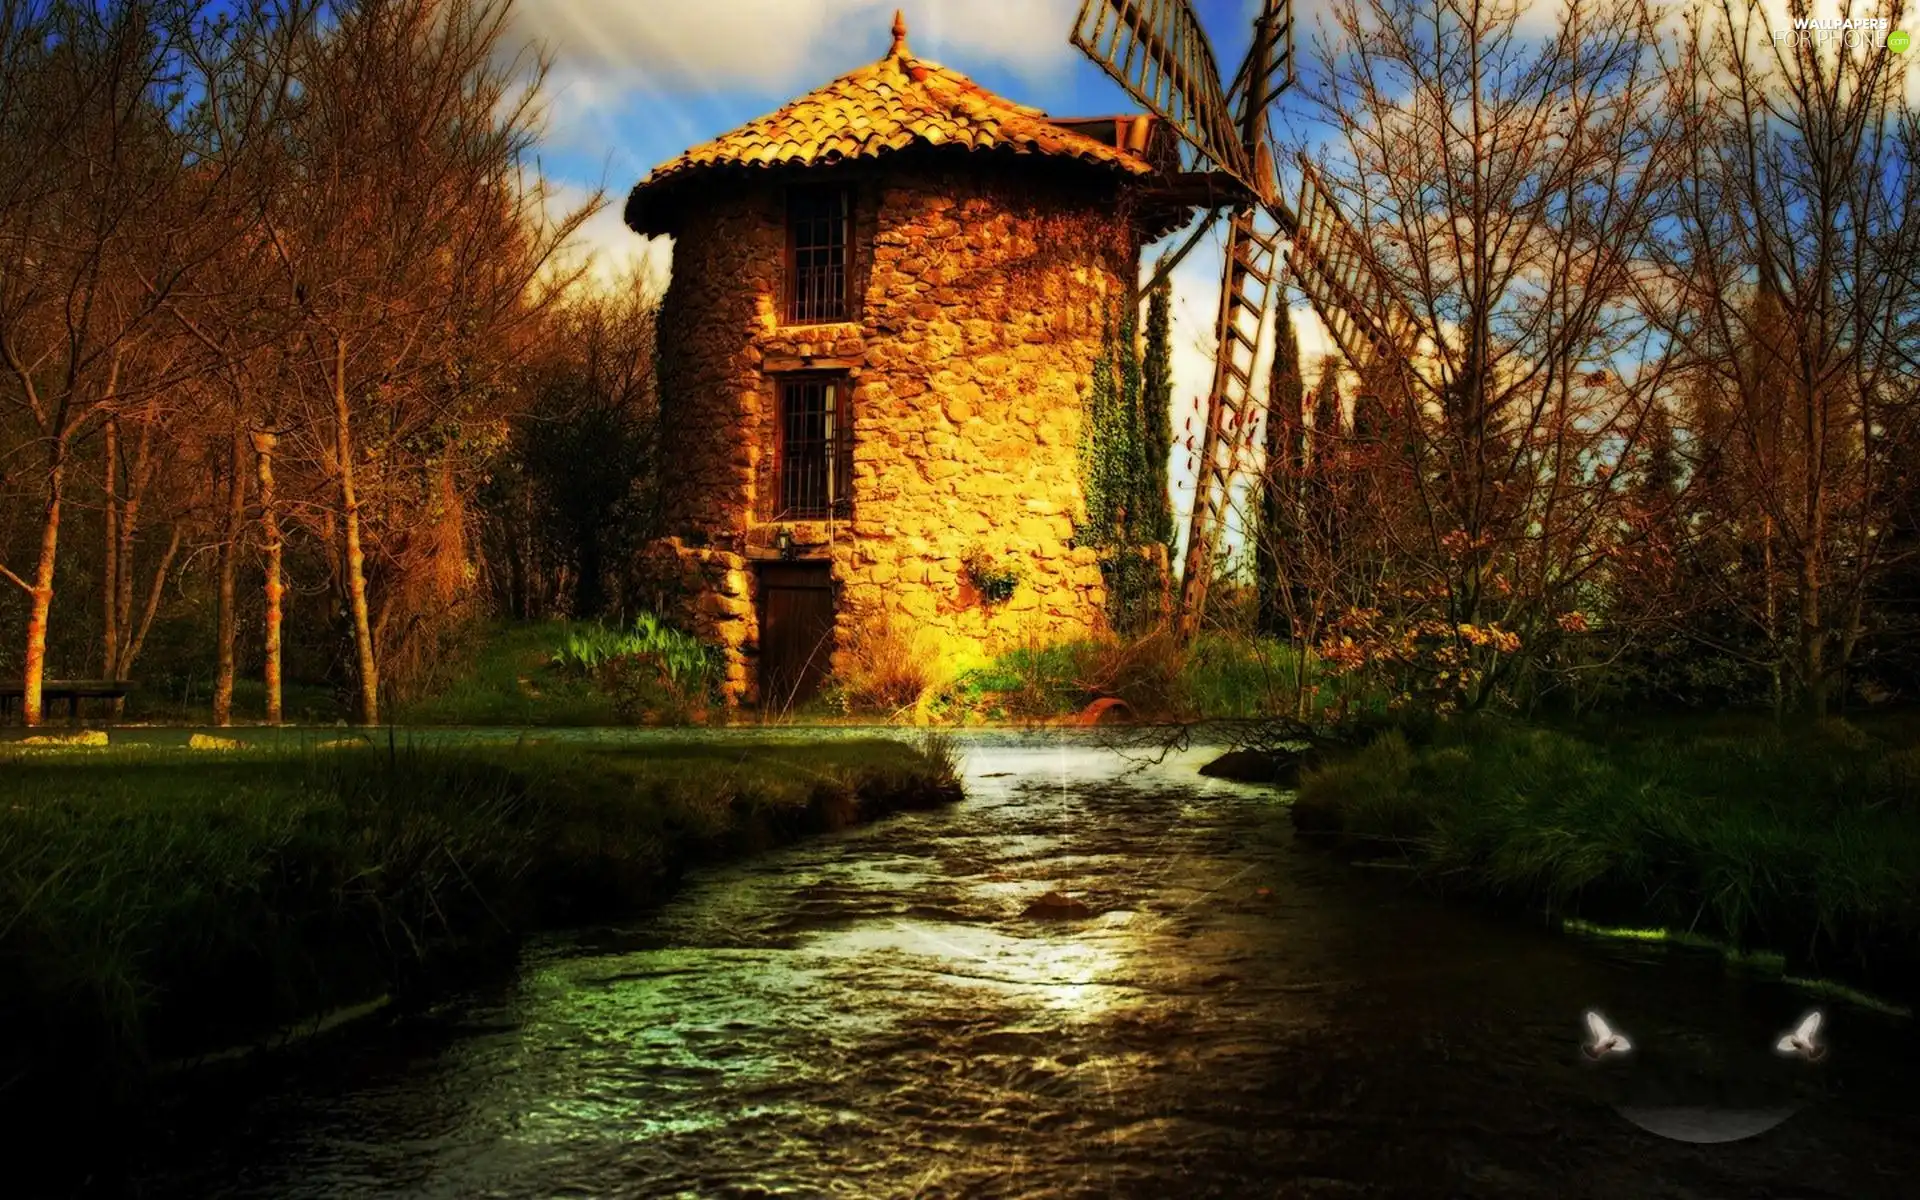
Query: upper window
[[813, 458], [818, 229]]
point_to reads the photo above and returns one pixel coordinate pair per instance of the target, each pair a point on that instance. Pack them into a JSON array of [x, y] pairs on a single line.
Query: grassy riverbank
[[531, 674], [158, 904], [1805, 842]]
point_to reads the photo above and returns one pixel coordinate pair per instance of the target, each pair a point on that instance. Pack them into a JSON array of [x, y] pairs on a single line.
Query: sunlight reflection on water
[[875, 1013]]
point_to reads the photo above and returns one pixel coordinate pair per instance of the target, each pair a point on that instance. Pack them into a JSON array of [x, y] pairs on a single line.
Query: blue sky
[[634, 83]]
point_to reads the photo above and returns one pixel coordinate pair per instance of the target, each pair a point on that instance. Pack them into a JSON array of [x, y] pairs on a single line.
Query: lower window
[[814, 455]]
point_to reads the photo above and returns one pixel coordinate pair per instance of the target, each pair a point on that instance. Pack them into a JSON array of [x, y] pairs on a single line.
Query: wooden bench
[[71, 690]]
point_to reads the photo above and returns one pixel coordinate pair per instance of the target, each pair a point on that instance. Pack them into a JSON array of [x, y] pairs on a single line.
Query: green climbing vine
[[1156, 396], [1127, 507]]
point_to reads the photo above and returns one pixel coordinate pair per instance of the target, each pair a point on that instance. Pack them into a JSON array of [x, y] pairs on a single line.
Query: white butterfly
[[1800, 1041], [1605, 1040]]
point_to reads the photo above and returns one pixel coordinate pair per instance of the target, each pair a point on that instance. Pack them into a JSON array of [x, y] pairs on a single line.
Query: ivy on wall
[[1110, 450], [1157, 402], [1124, 444]]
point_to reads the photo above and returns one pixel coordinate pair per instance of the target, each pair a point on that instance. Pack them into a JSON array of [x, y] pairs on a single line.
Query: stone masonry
[[983, 291]]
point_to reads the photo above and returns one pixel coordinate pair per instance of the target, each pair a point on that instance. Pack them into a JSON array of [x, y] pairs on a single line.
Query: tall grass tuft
[[889, 668]]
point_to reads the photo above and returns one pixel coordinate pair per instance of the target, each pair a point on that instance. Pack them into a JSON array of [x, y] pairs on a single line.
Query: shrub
[[645, 691], [681, 655], [652, 672], [1149, 673], [995, 579], [886, 667], [1366, 795]]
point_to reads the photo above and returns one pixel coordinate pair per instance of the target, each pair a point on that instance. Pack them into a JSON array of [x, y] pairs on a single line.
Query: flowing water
[[876, 1014]]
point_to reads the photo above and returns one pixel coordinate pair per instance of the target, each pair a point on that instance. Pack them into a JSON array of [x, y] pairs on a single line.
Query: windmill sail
[[1157, 51], [1270, 54], [1362, 310]]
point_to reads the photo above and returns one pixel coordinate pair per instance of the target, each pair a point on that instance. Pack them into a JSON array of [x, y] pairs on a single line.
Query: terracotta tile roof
[[897, 102]]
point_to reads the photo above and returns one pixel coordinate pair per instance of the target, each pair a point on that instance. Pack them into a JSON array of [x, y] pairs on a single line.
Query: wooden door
[[796, 631]]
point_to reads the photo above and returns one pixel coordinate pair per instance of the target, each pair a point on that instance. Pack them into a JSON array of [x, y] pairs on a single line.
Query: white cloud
[[786, 44], [662, 62], [611, 252]]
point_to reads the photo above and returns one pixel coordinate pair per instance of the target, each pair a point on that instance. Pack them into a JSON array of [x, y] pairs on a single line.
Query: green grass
[[1774, 964], [509, 677], [164, 903], [503, 674], [300, 703], [549, 674], [1805, 842], [1219, 676]]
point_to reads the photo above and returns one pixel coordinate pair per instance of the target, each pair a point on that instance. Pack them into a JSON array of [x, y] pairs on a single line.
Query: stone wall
[[982, 285]]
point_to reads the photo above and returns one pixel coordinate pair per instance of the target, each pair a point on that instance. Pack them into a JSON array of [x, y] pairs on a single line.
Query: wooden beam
[[775, 364], [1199, 189]]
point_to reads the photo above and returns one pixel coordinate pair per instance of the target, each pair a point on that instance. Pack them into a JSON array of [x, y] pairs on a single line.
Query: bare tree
[[88, 210], [406, 236], [1507, 184], [1795, 296], [584, 452]]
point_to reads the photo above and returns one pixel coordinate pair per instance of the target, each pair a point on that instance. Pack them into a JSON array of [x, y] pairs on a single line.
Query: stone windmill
[[888, 299], [1158, 52]]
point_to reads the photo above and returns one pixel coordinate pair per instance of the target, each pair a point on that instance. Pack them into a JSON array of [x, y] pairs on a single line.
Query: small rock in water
[[1282, 767], [1058, 904]]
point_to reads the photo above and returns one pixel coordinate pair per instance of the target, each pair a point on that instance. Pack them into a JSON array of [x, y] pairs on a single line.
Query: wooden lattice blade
[[1362, 310], [1156, 50], [1277, 77]]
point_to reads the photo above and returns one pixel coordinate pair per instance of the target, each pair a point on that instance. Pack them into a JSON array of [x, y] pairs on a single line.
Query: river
[[876, 1014]]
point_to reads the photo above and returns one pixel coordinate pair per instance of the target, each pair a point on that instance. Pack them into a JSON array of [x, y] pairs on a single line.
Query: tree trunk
[[588, 599], [137, 480], [1813, 565], [368, 700], [41, 593], [263, 447], [1773, 623], [516, 578], [110, 546], [229, 568], [130, 653], [1813, 641]]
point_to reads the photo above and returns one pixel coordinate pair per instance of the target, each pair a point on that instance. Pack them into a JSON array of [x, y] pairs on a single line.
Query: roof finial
[[899, 35]]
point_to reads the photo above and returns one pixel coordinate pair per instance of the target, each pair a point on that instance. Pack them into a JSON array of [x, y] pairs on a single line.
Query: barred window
[[818, 228], [814, 456]]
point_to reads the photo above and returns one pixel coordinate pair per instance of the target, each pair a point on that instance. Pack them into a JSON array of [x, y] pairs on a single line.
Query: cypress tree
[[1285, 447], [1323, 485], [1156, 514]]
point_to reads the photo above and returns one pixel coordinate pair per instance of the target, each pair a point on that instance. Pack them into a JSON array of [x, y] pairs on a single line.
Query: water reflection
[[877, 1014]]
